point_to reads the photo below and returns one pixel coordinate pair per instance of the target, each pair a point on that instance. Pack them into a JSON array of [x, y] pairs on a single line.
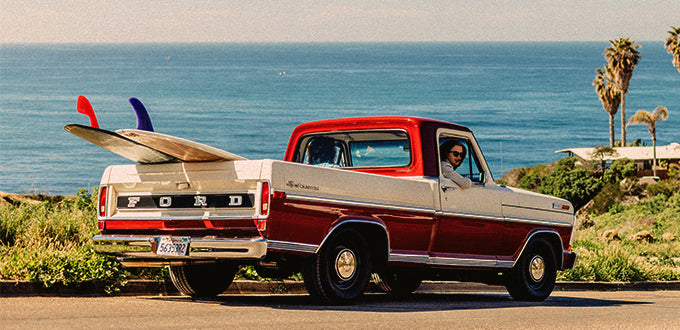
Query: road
[[568, 309]]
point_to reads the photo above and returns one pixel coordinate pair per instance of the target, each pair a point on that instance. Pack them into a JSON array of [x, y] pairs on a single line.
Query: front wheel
[[533, 277], [203, 280], [340, 271]]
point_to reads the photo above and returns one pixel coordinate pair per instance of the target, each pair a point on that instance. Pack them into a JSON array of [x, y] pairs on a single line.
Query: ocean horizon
[[523, 100]]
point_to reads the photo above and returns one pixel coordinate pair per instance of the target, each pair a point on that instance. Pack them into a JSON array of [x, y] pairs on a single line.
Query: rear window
[[366, 149]]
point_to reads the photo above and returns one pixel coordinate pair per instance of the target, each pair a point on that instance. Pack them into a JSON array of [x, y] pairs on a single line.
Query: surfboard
[[182, 149], [119, 145]]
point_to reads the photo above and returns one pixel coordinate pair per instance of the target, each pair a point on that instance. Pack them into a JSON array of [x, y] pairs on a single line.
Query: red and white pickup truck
[[378, 207]]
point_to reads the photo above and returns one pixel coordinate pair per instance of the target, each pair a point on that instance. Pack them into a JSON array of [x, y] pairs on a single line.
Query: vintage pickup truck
[[378, 208]]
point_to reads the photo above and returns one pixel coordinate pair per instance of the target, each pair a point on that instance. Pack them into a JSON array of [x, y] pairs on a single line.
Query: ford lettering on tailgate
[[185, 201]]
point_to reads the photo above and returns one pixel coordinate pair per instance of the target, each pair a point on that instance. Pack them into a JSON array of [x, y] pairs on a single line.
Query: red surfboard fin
[[85, 108]]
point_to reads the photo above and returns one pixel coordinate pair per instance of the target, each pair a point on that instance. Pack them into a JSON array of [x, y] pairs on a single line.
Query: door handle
[[445, 188]]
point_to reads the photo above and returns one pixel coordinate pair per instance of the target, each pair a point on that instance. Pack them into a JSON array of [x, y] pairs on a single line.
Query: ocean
[[523, 100]]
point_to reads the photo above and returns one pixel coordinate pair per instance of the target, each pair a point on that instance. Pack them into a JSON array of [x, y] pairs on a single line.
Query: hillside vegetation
[[627, 230]]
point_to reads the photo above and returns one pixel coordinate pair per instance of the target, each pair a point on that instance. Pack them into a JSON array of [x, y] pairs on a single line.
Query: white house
[[666, 156]]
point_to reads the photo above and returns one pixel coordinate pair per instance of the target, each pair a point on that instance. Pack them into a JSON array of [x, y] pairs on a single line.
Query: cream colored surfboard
[[183, 149], [120, 145]]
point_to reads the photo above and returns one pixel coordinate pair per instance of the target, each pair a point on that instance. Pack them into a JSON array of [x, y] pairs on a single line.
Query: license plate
[[173, 246]]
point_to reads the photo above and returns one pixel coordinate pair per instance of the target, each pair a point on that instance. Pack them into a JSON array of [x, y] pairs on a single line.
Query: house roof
[[671, 151]]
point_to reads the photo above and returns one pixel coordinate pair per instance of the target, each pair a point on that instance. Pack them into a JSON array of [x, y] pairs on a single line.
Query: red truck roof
[[422, 132]]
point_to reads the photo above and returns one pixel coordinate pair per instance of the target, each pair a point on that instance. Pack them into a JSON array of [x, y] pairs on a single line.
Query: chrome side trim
[[536, 209], [462, 262], [505, 264], [409, 258], [362, 204], [539, 222], [198, 217], [293, 246], [508, 219], [472, 216], [448, 261], [139, 247]]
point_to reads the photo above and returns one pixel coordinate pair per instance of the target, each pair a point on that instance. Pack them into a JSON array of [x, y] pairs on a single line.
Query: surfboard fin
[[83, 106], [143, 119]]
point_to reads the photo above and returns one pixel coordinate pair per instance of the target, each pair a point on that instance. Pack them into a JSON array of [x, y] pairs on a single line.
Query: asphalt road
[[564, 310]]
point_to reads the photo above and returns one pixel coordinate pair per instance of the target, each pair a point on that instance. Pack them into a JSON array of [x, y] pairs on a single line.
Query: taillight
[[261, 223], [102, 202], [264, 199]]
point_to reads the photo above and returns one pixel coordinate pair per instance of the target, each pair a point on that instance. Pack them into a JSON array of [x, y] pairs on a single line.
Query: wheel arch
[[374, 231], [552, 237]]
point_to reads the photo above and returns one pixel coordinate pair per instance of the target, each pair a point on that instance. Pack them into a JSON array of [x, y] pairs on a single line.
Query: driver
[[452, 153]]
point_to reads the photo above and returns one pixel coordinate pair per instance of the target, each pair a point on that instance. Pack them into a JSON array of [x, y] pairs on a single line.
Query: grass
[[619, 256], [49, 242]]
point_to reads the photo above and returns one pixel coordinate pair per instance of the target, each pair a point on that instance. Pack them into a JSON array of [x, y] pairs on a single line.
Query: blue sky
[[334, 21]]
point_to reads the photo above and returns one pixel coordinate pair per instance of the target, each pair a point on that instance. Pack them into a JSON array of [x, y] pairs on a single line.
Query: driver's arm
[[450, 173]]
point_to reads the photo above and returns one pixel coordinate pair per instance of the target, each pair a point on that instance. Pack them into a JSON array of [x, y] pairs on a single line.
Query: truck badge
[[165, 201], [235, 200], [200, 201], [132, 201]]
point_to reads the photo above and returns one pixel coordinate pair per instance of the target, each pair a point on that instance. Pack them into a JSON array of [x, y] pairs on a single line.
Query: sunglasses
[[458, 154]]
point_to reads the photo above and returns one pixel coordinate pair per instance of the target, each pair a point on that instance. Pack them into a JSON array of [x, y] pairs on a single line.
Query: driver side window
[[458, 152]]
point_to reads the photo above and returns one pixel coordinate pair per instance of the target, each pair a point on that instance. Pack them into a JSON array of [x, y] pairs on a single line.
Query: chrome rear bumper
[[138, 250]]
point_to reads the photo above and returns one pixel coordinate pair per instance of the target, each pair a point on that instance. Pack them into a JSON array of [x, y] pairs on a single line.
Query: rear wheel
[[398, 282], [203, 280], [533, 277], [340, 271]]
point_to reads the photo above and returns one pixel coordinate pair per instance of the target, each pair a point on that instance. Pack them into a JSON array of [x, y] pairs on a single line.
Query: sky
[[67, 21]]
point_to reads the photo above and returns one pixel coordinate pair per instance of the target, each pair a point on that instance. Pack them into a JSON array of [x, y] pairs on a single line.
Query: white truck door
[[470, 220]]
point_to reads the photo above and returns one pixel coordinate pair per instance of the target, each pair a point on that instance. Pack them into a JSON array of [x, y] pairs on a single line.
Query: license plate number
[[173, 246]]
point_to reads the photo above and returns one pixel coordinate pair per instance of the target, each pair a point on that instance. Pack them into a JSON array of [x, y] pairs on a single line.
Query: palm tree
[[622, 57], [609, 95], [673, 45], [643, 117]]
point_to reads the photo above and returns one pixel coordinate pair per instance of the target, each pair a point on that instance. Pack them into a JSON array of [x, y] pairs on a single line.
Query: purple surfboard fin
[[143, 120]]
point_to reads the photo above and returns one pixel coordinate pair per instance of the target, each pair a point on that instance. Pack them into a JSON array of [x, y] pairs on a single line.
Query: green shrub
[[532, 177], [610, 195], [619, 170], [654, 205], [664, 187], [571, 182]]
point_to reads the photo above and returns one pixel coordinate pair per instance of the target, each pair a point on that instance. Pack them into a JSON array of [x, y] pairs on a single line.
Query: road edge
[[145, 287]]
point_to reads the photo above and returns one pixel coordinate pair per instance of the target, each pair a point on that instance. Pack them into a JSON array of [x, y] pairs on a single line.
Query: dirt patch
[[17, 199]]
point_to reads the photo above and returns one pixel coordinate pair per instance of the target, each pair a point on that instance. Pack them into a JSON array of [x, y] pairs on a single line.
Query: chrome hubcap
[[537, 268], [345, 264]]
